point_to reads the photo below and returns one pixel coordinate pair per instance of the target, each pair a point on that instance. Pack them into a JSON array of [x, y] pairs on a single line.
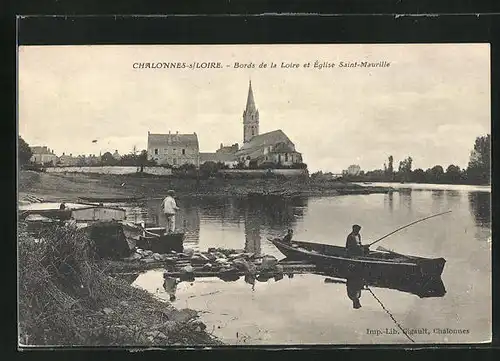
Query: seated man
[[288, 237], [353, 243]]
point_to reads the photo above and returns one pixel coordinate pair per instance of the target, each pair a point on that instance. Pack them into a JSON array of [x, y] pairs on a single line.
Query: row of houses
[[46, 156], [176, 149]]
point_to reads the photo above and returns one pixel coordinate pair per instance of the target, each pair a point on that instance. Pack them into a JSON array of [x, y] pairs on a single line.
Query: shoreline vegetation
[[68, 187], [67, 299]]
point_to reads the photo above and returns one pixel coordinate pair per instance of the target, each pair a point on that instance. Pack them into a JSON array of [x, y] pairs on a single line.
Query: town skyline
[[335, 118]]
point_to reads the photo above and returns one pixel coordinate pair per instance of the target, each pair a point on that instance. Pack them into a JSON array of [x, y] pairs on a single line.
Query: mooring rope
[[390, 314]]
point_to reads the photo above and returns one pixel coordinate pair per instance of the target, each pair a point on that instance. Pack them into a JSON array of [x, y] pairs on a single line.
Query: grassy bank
[[66, 299], [70, 186]]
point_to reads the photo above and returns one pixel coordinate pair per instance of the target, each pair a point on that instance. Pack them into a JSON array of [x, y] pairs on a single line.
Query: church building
[[271, 147]]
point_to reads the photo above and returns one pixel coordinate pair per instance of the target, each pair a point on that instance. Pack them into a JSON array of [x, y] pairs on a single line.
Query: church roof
[[264, 140], [173, 139], [283, 148]]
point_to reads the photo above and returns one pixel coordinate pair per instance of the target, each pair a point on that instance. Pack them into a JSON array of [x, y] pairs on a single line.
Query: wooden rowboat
[[161, 243], [110, 199], [376, 265]]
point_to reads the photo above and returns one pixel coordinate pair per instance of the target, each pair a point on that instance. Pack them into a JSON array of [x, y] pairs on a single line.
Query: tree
[[418, 176], [108, 159], [453, 174], [209, 168], [404, 170], [390, 168], [434, 174], [24, 152], [478, 169]]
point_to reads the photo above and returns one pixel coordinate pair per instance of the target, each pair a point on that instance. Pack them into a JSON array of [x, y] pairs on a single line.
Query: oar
[[143, 229], [408, 225]]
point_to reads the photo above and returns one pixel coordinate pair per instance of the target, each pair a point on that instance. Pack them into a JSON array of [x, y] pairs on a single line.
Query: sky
[[430, 103]]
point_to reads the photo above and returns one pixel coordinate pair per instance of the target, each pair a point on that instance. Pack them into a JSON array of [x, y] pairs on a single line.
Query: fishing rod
[[408, 225]]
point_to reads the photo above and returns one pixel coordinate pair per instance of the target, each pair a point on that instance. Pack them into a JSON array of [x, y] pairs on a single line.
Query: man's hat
[[356, 226]]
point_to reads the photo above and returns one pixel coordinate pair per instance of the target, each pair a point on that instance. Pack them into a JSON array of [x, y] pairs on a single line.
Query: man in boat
[[288, 237], [353, 243], [169, 209]]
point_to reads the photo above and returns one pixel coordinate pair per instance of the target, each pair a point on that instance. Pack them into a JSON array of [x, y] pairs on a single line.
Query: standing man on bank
[[169, 209]]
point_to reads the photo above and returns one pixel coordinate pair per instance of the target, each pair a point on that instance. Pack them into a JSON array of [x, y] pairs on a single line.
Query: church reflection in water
[[275, 214]]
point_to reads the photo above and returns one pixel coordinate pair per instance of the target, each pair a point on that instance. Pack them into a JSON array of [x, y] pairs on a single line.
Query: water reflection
[[480, 207], [390, 201], [425, 287], [405, 200], [256, 213]]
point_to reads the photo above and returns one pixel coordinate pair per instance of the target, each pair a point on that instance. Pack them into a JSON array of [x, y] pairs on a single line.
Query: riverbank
[[67, 187], [66, 299]]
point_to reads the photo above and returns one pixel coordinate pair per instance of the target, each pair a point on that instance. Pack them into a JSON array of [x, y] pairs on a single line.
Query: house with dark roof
[[225, 155], [227, 159], [174, 149]]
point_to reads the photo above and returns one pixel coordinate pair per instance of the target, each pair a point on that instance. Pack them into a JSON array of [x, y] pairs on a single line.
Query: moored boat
[[376, 265], [48, 209], [162, 243], [98, 213], [153, 238], [110, 199]]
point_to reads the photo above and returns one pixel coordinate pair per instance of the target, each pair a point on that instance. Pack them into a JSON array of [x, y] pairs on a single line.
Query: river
[[306, 310]]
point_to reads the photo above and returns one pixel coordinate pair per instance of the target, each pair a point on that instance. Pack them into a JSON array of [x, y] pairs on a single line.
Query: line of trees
[[478, 170]]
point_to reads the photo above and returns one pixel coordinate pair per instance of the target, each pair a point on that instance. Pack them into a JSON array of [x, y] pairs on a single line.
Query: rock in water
[[186, 273], [268, 263]]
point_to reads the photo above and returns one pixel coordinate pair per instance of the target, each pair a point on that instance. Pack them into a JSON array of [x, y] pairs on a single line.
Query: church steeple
[[250, 117], [250, 101]]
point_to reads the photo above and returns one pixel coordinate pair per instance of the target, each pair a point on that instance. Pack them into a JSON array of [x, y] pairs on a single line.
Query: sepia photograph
[[237, 195]]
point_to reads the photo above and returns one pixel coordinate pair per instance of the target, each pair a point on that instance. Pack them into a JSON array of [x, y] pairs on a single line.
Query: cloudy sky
[[430, 103]]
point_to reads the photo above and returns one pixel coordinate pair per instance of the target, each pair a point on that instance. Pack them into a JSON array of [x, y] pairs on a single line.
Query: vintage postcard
[[334, 194]]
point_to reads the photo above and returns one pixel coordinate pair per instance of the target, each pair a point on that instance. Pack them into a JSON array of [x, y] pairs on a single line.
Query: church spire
[[250, 101], [250, 117]]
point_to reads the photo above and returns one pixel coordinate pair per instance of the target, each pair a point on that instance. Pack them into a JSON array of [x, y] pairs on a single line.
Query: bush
[[298, 166]]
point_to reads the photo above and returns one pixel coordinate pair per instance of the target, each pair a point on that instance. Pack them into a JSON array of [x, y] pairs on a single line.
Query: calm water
[[305, 310]]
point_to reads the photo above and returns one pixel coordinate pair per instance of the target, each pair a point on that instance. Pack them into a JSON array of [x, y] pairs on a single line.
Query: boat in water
[[78, 212], [110, 199], [153, 238], [373, 266]]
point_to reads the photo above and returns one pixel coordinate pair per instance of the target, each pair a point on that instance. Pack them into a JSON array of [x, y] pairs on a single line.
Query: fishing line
[[390, 315]]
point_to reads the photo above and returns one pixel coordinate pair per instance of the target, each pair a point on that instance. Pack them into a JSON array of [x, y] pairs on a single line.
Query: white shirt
[[169, 205]]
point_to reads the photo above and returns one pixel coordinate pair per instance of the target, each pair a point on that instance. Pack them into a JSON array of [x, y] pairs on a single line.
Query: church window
[[156, 151], [183, 151], [286, 157]]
